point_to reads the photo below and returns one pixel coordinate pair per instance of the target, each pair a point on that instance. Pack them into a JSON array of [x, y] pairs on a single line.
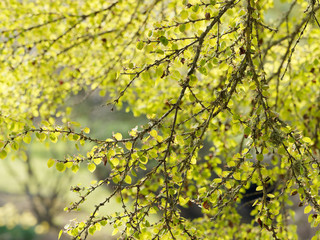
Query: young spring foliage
[[225, 74]]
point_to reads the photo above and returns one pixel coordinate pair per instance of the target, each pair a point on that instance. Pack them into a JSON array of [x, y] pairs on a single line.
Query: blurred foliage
[[17, 226]]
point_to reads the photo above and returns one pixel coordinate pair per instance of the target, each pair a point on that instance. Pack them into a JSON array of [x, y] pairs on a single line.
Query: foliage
[[20, 226], [203, 72]]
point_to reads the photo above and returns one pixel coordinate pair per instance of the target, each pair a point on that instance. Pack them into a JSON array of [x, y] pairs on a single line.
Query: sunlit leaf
[[50, 163], [91, 167]]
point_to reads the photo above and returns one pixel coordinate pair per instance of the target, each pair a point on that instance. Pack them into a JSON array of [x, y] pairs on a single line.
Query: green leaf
[[3, 154], [247, 131], [143, 160], [75, 137], [236, 116], [203, 71], [260, 157], [182, 28], [92, 229], [164, 40], [140, 45], [195, 8], [60, 167], [104, 222]]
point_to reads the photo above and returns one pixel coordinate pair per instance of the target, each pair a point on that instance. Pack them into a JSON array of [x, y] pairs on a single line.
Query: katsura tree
[[238, 76]]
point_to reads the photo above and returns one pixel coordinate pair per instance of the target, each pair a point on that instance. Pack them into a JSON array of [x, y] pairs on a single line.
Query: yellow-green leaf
[[115, 231], [128, 145], [75, 137], [184, 14], [75, 168], [259, 188], [60, 233], [68, 164], [53, 137], [143, 160], [15, 146], [3, 154], [193, 160], [270, 195], [153, 133], [133, 132], [128, 179], [183, 201], [50, 163], [307, 209], [237, 176], [143, 167], [259, 157], [202, 190], [118, 136], [42, 137], [86, 130], [97, 161], [27, 138], [60, 167], [306, 140], [179, 139], [91, 167], [92, 229], [182, 27], [114, 161], [140, 45]]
